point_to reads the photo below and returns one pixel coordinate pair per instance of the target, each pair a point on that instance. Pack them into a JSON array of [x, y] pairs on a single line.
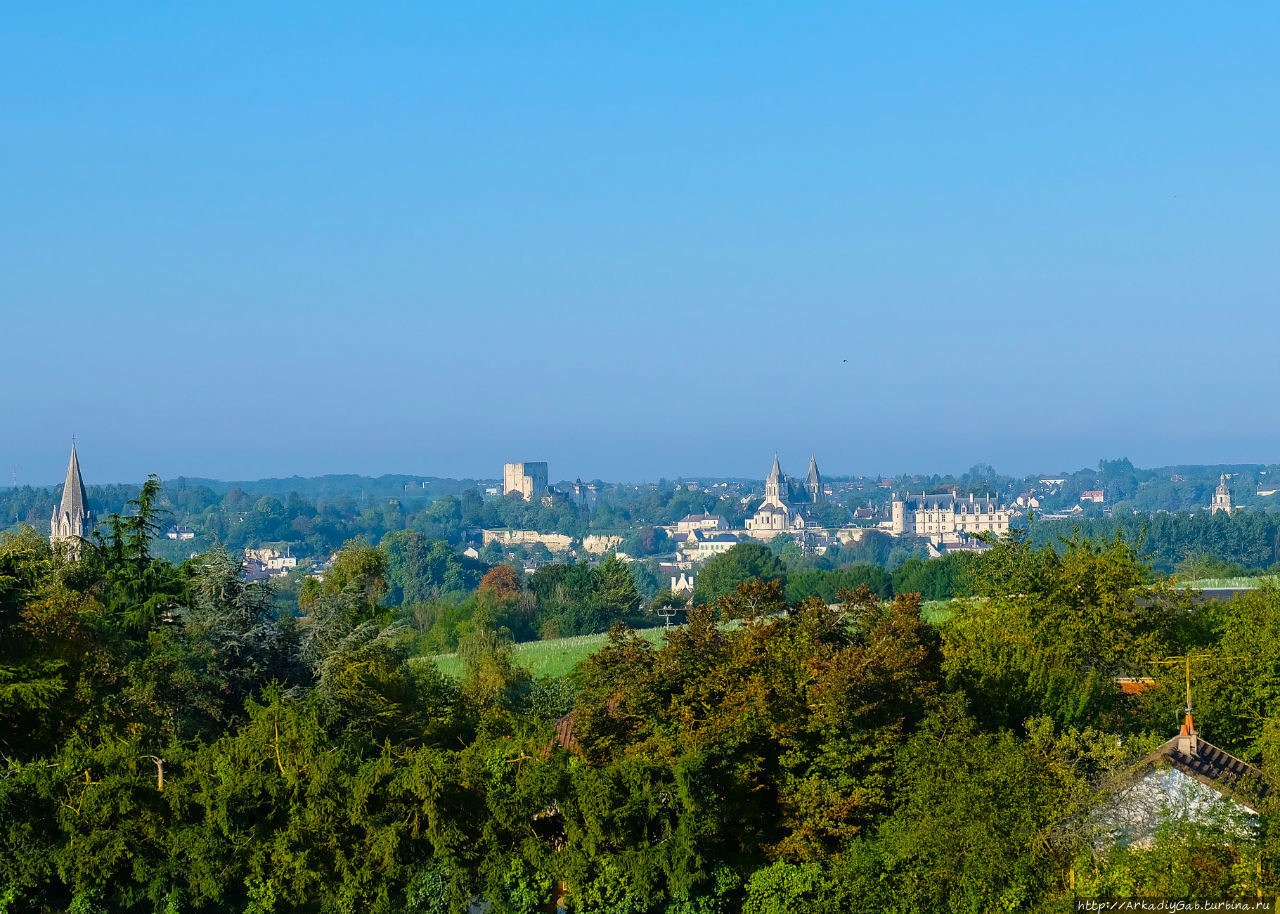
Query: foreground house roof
[[1200, 759], [1187, 780]]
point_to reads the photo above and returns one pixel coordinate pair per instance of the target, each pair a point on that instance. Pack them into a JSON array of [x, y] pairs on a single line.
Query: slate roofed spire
[[74, 501], [813, 481], [812, 476], [776, 472], [71, 521]]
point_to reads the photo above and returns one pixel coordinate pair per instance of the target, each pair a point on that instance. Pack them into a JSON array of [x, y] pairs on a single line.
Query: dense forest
[[172, 741]]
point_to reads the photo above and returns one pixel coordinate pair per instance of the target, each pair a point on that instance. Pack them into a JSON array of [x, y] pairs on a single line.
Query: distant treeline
[[1250, 539]]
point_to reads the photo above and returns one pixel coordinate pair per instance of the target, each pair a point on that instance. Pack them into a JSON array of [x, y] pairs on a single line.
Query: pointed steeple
[[776, 491], [72, 519], [74, 502], [813, 481]]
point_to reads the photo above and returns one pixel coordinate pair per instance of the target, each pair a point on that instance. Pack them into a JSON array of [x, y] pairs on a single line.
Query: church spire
[[74, 501], [775, 473], [813, 481], [71, 520], [776, 491]]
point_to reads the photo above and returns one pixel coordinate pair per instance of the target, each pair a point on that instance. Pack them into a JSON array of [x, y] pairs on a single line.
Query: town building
[[707, 523], [273, 562], [529, 479], [1097, 496], [682, 583], [72, 521], [779, 513], [698, 546], [1221, 497], [947, 518], [583, 494], [180, 532]]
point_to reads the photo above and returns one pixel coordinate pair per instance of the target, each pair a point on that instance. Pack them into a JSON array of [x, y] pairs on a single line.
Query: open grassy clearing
[[1213, 583], [552, 658], [558, 656]]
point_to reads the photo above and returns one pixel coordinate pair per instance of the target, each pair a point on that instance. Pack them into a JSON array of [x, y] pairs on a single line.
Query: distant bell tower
[[776, 491], [813, 482], [1221, 497], [71, 520]]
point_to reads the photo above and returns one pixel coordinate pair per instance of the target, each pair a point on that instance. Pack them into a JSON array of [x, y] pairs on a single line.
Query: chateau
[[72, 520], [780, 512], [948, 518]]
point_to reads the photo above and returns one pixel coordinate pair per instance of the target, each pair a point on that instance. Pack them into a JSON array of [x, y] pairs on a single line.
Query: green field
[[556, 657], [1208, 583], [549, 658]]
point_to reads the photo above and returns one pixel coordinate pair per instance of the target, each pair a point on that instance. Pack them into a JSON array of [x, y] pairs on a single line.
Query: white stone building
[[697, 546], [778, 514], [947, 518], [529, 479], [707, 523]]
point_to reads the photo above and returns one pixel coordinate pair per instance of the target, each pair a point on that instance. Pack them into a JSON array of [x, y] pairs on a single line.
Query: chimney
[[1188, 739]]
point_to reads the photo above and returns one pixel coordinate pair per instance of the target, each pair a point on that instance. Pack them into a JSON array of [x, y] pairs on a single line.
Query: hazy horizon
[[794, 467], [243, 242]]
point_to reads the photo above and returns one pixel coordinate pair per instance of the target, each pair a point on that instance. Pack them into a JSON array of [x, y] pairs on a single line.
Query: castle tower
[[813, 482], [1221, 497], [71, 521], [775, 485]]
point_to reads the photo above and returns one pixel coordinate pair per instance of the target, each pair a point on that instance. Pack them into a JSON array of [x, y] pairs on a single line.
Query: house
[[964, 543], [180, 532], [698, 546], [275, 564], [709, 523], [1027, 500], [1187, 780], [1097, 496], [682, 583], [1266, 489]]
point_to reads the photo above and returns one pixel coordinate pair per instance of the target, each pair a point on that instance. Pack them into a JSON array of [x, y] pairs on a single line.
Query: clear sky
[[636, 240]]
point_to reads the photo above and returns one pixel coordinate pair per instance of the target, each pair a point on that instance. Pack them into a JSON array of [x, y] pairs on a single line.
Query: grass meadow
[[557, 657]]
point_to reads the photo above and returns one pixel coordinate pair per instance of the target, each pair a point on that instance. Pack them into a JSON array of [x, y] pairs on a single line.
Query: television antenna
[[1186, 660], [667, 612]]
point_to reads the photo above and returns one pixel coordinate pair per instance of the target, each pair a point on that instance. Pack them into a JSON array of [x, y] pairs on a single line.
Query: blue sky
[[242, 240]]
